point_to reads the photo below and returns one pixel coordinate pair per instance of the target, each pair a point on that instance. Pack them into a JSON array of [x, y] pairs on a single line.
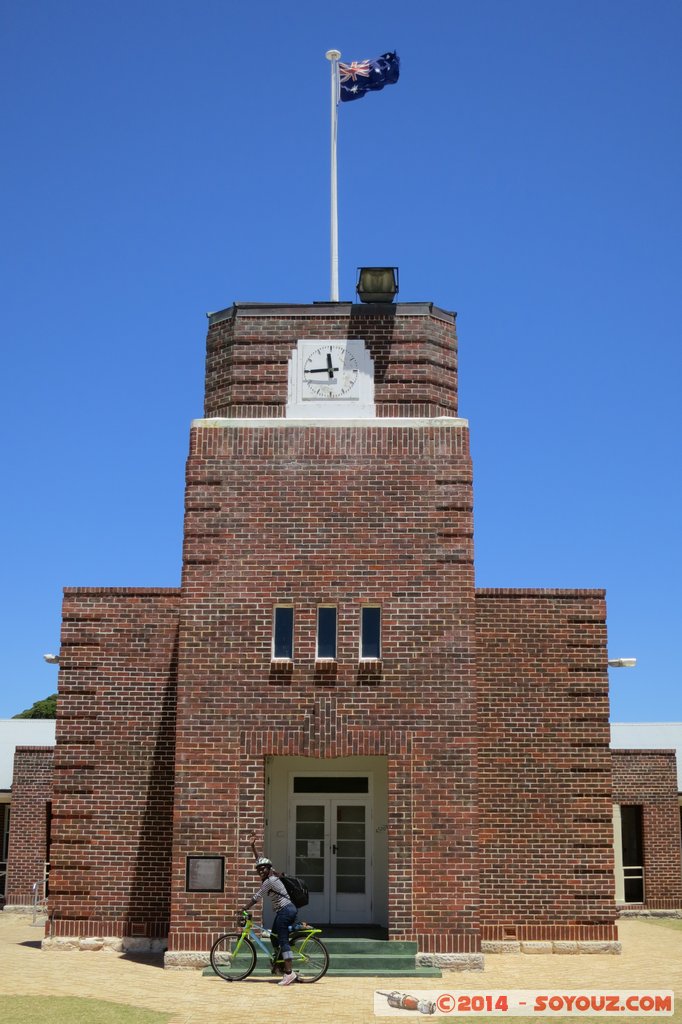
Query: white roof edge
[[281, 422]]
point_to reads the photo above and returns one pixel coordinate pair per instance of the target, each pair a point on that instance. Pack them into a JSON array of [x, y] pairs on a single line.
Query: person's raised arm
[[252, 844]]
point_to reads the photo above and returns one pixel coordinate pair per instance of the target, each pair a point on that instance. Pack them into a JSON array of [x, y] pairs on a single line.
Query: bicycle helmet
[[263, 862]]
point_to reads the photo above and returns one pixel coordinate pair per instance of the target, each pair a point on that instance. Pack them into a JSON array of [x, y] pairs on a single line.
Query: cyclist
[[285, 912]]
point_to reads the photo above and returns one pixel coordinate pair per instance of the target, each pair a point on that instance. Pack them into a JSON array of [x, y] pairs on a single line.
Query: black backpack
[[296, 888]]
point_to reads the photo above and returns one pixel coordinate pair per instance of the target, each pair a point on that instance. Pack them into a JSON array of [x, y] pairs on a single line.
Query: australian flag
[[367, 76]]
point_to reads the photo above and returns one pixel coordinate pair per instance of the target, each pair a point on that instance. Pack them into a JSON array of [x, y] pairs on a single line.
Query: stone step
[[387, 962], [369, 946], [363, 968], [354, 958], [374, 972]]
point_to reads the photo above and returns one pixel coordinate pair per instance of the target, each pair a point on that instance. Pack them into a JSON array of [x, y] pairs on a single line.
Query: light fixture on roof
[[377, 284], [622, 662]]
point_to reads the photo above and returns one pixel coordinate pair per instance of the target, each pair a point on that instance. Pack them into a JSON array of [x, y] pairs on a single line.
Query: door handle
[[333, 847]]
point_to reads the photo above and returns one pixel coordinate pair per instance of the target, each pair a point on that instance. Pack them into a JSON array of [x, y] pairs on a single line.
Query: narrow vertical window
[[370, 633], [633, 853], [4, 831], [283, 633], [326, 633]]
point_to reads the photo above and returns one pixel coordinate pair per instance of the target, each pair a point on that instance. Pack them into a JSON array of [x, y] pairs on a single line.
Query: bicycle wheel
[[233, 957], [311, 958]]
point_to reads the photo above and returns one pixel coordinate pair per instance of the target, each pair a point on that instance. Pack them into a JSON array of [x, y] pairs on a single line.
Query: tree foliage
[[46, 708]]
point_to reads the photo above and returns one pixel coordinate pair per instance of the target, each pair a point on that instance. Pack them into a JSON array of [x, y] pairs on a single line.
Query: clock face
[[330, 379], [329, 371]]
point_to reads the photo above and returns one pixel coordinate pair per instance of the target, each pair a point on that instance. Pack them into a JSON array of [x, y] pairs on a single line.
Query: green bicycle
[[233, 956]]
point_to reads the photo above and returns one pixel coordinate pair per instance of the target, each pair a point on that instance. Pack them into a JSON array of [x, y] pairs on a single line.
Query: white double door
[[330, 849]]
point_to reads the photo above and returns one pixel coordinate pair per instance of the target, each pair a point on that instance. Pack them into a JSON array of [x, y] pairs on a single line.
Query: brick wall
[[29, 822], [648, 778], [413, 345], [545, 771], [112, 824]]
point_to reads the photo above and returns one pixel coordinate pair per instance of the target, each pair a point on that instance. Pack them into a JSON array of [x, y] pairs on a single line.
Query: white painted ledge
[[280, 423]]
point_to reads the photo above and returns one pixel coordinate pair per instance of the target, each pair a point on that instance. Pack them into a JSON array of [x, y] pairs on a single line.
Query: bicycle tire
[[312, 962], [224, 962]]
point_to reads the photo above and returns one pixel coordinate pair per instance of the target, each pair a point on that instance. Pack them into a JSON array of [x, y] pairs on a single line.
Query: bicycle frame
[[254, 932]]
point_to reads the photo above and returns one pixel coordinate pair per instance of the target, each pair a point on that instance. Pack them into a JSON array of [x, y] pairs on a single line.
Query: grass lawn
[[66, 1010], [664, 922]]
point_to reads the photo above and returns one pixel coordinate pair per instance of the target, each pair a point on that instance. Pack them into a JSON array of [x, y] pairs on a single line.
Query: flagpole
[[333, 57]]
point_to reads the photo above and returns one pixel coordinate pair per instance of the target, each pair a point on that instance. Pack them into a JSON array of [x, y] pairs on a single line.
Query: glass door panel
[[351, 895], [309, 857], [350, 849]]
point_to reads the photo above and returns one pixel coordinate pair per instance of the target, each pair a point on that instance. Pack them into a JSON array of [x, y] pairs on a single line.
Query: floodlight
[[377, 284]]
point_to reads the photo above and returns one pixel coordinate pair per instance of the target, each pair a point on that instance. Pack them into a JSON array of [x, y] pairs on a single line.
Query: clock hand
[[328, 369]]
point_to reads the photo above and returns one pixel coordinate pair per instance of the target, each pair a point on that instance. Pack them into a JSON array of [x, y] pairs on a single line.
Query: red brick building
[[327, 674], [31, 806], [646, 817]]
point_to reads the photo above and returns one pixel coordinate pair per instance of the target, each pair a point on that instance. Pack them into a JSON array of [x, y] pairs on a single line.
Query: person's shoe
[[288, 979]]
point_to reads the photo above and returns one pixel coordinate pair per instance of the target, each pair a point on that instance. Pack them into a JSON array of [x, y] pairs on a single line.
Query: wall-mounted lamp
[[51, 659], [622, 662], [377, 284]]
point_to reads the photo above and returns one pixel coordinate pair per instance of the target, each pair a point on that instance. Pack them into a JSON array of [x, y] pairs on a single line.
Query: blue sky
[[164, 160]]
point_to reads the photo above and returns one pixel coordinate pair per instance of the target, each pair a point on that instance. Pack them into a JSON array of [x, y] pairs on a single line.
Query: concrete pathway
[[651, 959]]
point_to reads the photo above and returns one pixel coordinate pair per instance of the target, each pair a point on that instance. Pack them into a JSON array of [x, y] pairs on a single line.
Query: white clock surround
[[330, 378]]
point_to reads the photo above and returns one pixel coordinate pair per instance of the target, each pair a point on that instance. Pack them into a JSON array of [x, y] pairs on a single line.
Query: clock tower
[[326, 654], [433, 760]]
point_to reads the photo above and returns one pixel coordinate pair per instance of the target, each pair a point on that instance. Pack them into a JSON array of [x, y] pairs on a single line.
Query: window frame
[[274, 656], [327, 657], [363, 609]]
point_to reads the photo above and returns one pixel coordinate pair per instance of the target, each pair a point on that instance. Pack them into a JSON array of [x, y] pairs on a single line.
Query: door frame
[[362, 799]]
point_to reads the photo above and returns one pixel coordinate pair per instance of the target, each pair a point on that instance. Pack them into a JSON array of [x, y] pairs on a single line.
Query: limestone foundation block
[[503, 946], [186, 961], [134, 944], [62, 943], [451, 961], [649, 913], [112, 944], [537, 948], [90, 944], [610, 948]]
